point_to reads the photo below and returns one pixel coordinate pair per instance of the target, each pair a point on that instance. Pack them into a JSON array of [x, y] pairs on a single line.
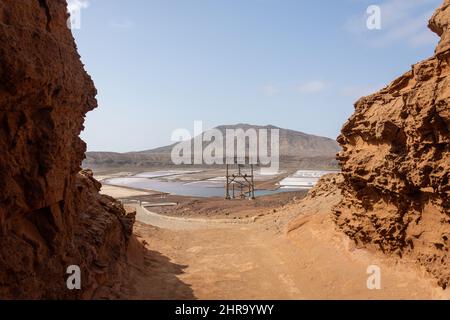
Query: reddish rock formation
[[321, 199], [396, 163], [50, 215]]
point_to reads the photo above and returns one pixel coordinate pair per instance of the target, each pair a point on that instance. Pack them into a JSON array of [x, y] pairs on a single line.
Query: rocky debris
[[327, 185], [320, 200], [396, 163], [51, 216]]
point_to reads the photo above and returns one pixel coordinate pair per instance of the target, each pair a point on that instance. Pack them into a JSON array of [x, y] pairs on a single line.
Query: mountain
[[296, 148]]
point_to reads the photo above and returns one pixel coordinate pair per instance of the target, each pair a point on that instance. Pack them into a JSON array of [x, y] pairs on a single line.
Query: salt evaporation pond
[[303, 179], [197, 189], [163, 173]]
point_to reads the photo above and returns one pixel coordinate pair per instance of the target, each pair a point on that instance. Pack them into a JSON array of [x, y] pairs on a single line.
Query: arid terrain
[[389, 207], [204, 206], [270, 256]]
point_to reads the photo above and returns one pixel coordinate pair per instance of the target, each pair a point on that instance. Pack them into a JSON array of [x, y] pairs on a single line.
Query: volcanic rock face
[[396, 163], [50, 215]]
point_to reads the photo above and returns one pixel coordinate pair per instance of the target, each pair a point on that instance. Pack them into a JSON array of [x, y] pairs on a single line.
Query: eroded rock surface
[[396, 163], [50, 215]]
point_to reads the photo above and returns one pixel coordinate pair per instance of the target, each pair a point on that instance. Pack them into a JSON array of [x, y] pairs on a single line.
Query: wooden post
[[233, 190], [241, 181], [253, 185], [227, 192]]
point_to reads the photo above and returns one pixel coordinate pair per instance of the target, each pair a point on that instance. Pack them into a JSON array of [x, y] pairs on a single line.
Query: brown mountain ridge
[[294, 147]]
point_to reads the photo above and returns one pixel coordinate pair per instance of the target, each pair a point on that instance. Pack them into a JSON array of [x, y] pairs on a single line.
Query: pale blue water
[[203, 189]]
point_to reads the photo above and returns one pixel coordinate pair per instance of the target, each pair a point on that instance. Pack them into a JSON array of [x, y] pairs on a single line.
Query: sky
[[160, 65]]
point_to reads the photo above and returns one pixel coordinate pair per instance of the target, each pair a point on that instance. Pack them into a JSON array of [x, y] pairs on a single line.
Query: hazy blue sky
[[161, 64]]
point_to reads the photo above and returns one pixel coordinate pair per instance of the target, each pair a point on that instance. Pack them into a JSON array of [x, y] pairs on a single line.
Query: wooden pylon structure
[[239, 185]]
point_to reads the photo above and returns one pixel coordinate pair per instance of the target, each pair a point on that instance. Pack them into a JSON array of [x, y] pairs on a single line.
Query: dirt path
[[175, 223], [257, 259]]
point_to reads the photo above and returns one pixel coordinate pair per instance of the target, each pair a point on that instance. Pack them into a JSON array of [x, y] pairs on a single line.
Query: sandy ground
[[257, 258], [280, 246], [120, 192], [220, 208]]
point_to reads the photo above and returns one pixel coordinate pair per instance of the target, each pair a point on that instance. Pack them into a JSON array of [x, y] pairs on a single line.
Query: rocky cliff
[[51, 216], [396, 163]]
